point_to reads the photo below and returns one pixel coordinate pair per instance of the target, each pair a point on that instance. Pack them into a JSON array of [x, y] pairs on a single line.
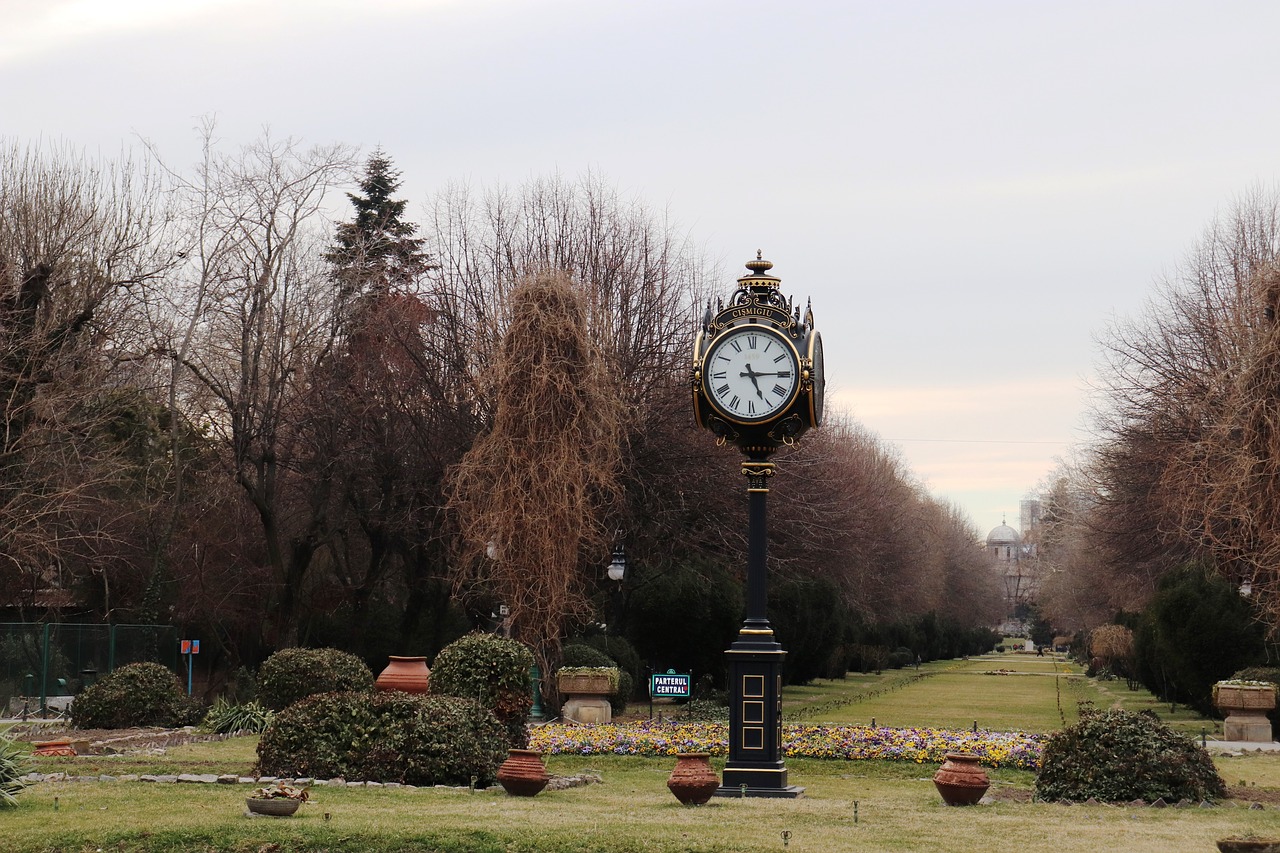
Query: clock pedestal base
[[755, 767]]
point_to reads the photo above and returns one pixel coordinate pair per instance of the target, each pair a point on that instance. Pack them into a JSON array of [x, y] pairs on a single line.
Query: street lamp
[[618, 564]]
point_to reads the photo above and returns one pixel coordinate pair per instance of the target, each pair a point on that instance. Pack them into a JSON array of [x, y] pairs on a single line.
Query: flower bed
[[995, 749]]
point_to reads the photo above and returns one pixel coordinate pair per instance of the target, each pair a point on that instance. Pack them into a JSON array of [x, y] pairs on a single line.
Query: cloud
[[47, 28], [983, 445], [59, 25]]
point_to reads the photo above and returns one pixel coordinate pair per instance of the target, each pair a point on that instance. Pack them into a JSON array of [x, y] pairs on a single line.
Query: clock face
[[750, 373], [819, 377]]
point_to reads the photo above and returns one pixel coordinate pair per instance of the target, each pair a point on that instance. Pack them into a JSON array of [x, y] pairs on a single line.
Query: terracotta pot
[[275, 806], [961, 780], [693, 781], [523, 774], [407, 674]]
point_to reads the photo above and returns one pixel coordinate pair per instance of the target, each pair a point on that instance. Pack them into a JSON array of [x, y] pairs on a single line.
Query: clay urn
[[523, 774], [406, 674], [961, 780], [692, 780]]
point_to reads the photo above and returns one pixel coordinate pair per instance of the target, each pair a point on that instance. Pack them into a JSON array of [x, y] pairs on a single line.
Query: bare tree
[[251, 318], [75, 236], [1184, 467]]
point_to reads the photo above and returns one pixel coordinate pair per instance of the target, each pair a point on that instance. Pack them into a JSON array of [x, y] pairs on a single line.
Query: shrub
[[138, 694], [580, 654], [14, 764], [293, 674], [384, 737], [706, 711], [492, 670], [1118, 755], [225, 717], [1197, 630]]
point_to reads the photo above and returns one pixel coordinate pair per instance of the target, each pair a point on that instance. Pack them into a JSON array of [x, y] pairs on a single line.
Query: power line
[[970, 441]]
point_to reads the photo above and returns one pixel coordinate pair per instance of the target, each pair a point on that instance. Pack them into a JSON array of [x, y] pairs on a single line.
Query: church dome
[[1003, 535]]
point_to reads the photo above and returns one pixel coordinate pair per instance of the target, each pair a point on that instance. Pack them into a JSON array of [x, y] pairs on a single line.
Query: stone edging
[[557, 783]]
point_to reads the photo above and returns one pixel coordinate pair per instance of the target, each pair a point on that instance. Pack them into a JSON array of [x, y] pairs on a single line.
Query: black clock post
[[758, 384]]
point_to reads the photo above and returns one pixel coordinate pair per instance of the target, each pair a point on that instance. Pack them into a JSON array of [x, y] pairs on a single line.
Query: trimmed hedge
[[493, 671], [137, 694], [1120, 756], [384, 737], [293, 674]]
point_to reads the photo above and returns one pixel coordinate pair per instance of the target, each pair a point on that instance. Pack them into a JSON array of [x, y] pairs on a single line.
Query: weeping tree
[[531, 496]]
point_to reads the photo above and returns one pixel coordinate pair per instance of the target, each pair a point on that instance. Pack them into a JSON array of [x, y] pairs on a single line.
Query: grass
[[896, 809], [863, 805], [1037, 697]]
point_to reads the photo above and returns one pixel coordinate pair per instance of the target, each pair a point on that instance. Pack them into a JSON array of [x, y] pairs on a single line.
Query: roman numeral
[[737, 345], [733, 404], [722, 374], [751, 342], [722, 390], [751, 407], [783, 374], [780, 358], [779, 390]]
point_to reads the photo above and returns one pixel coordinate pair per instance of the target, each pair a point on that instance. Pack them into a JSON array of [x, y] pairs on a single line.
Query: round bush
[[137, 694], [293, 674], [580, 654], [492, 670], [384, 737], [1119, 756]]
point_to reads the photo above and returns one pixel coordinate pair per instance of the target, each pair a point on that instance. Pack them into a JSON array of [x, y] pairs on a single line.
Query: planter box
[[592, 685], [1245, 697], [1246, 706]]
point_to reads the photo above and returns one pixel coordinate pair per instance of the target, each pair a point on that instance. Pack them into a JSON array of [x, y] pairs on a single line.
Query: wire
[[972, 441]]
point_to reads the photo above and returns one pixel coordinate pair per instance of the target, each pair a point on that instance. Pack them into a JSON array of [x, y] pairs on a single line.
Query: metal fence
[[43, 664]]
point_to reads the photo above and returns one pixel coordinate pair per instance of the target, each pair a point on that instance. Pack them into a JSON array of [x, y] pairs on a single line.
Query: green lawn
[[896, 808], [895, 804], [1036, 697]]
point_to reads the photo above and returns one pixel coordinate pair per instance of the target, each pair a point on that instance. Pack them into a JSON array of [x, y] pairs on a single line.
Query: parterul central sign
[[670, 684]]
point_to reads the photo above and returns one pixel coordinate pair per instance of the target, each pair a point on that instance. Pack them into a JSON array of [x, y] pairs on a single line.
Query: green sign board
[[670, 684]]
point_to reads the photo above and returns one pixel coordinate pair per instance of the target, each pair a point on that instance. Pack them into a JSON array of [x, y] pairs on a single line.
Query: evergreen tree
[[377, 251]]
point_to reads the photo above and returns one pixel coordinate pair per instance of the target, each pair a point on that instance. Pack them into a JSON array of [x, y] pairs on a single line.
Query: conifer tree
[[377, 251]]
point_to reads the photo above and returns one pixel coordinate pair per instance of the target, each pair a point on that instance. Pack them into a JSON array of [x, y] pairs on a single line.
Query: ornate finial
[[759, 275], [808, 314]]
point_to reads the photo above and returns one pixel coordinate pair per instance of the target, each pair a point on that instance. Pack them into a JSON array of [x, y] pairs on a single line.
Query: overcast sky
[[969, 191]]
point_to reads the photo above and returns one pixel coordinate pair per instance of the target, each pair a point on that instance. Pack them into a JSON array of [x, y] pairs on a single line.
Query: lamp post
[[617, 572]]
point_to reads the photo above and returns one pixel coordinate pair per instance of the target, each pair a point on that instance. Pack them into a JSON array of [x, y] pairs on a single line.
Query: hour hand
[[751, 374]]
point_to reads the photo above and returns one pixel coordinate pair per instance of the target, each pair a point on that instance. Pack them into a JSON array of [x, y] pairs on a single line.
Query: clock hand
[[751, 374]]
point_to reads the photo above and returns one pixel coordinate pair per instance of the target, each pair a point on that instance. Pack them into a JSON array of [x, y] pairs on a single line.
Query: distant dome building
[[1004, 543], [1015, 561]]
